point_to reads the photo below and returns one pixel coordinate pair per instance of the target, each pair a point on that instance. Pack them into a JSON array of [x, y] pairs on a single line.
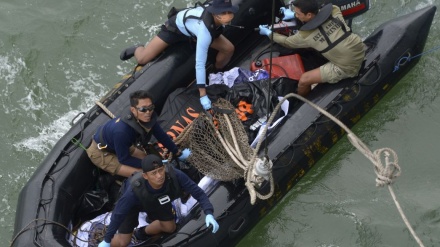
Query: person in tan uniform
[[324, 30]]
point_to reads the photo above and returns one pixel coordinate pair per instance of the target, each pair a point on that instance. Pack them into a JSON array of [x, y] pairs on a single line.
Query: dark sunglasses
[[149, 108]]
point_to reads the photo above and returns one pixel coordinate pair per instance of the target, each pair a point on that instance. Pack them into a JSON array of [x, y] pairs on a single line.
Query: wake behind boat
[[51, 204]]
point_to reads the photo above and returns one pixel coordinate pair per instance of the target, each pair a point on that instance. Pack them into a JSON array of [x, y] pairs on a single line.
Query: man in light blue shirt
[[205, 25]]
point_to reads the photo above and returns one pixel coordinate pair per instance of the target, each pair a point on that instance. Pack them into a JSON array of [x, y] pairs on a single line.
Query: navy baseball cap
[[220, 6], [151, 162]]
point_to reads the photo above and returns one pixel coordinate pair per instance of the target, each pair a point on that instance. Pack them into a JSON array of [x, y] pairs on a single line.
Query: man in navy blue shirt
[[113, 147], [152, 191]]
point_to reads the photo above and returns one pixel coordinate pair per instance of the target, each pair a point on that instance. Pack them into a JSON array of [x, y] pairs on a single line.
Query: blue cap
[[220, 6]]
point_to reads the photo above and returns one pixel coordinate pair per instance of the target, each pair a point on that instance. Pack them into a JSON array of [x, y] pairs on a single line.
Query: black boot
[[129, 52], [140, 234]]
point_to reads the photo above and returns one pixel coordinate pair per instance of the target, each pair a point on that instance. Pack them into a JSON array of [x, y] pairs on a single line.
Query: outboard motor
[[351, 8]]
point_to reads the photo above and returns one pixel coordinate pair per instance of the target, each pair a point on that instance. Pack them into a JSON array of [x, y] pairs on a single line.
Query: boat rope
[[269, 85], [78, 143], [251, 165], [405, 59], [28, 227], [105, 109], [386, 173]]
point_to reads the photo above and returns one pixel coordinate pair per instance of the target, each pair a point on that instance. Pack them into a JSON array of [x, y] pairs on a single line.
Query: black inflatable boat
[[50, 204]]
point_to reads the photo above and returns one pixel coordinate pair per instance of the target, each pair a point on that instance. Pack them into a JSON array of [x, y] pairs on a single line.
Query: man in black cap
[[152, 191], [325, 31], [203, 24]]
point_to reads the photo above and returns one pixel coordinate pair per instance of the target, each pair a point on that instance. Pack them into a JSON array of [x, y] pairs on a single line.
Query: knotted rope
[[386, 173], [403, 60]]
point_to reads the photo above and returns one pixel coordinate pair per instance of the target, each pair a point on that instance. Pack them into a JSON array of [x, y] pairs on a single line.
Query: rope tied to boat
[[386, 174], [105, 109], [404, 59]]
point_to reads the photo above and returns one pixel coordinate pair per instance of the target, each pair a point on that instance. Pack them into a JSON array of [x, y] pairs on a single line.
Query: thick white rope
[[105, 109], [246, 165], [385, 173]]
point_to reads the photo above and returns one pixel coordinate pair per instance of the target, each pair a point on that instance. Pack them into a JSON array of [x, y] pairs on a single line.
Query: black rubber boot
[[140, 234], [129, 52]]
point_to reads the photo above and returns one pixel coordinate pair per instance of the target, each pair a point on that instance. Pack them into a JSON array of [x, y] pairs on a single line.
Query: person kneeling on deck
[[152, 191], [205, 26], [113, 147], [325, 31]]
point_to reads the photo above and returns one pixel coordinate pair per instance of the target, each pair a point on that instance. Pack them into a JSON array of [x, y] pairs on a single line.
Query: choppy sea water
[[58, 57]]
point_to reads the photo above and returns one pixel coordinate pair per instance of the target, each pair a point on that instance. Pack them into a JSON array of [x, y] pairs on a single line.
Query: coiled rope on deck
[[227, 140]]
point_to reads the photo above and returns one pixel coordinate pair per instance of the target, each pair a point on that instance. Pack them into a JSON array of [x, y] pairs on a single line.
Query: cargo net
[[220, 149], [208, 152]]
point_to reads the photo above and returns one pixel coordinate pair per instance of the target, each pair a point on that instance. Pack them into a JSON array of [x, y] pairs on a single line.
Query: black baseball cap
[[220, 6], [151, 162]]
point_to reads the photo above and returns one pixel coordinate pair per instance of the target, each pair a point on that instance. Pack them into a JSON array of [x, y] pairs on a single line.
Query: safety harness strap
[[331, 45]]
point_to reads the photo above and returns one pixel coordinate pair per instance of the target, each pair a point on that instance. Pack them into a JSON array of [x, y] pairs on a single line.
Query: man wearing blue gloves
[[325, 31], [287, 14], [114, 145], [152, 191], [202, 24]]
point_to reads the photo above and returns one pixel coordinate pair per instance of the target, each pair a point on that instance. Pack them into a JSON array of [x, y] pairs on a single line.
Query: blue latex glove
[[206, 102], [104, 244], [264, 30], [288, 14], [211, 221], [185, 153]]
